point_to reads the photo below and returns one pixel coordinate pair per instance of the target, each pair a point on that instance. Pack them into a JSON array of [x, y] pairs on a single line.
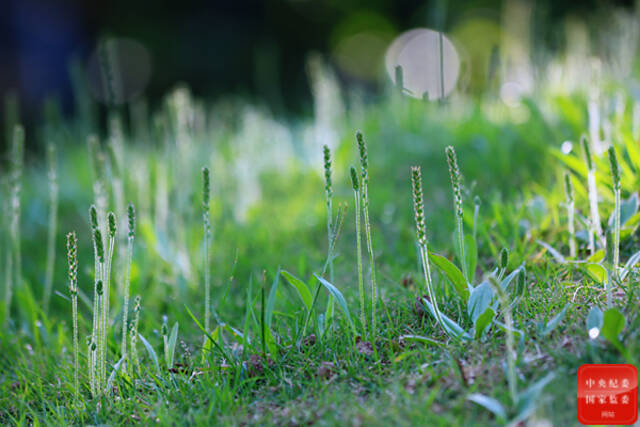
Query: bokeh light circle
[[425, 72]]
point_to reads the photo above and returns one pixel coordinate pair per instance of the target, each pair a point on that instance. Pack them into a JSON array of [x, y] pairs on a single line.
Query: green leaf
[[556, 255], [173, 338], [555, 321], [529, 397], [628, 208], [631, 263], [152, 353], [597, 272], [450, 326], [339, 298], [421, 339], [453, 273], [596, 257], [301, 287], [613, 323], [208, 335], [479, 300], [488, 403], [271, 300], [594, 321], [112, 376], [271, 343], [483, 321]]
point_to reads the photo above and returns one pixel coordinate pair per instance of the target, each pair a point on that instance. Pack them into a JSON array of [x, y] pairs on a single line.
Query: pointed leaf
[[339, 298], [489, 403], [613, 323], [453, 273], [483, 321], [300, 287], [555, 321], [271, 300], [173, 338], [479, 300], [152, 353], [449, 325]]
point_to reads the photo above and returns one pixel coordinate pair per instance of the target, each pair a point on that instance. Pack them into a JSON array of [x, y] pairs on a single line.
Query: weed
[[364, 165], [568, 191], [357, 198], [595, 229], [72, 258], [131, 215]]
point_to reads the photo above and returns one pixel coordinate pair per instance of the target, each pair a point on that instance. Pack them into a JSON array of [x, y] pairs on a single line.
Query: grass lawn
[[484, 310]]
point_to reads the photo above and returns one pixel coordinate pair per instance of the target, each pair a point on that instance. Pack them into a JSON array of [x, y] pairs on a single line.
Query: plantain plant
[[364, 171], [357, 198], [72, 259]]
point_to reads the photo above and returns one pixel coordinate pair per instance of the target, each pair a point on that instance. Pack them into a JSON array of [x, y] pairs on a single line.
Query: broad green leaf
[[173, 338], [597, 256], [555, 321], [597, 272], [488, 403], [453, 273], [572, 162], [339, 298], [483, 321], [152, 353], [479, 300], [612, 325], [594, 322], [301, 287]]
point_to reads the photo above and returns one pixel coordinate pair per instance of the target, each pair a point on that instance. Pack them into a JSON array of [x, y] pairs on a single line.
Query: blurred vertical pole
[[438, 21]]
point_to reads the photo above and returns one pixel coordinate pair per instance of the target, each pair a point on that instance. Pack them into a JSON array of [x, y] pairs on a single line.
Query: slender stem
[[329, 236], [572, 232], [74, 304], [616, 247], [359, 260], [372, 263], [616, 235], [127, 281], [476, 212], [424, 257], [105, 310], [461, 248], [207, 281], [596, 229]]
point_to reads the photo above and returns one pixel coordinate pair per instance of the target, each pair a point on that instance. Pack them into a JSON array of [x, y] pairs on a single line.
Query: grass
[[284, 301]]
